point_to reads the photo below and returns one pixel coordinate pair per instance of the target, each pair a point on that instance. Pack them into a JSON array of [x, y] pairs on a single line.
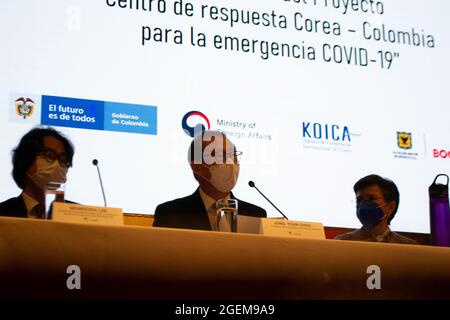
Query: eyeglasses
[[51, 156], [236, 155]]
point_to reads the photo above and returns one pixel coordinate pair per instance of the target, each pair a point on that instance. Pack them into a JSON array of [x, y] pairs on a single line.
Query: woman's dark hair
[[30, 145], [388, 189]]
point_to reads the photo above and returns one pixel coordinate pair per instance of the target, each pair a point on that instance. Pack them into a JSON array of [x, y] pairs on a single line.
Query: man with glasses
[[43, 155], [377, 202], [215, 165]]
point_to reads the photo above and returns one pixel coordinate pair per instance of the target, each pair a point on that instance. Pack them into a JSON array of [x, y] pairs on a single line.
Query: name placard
[[75, 213], [298, 229]]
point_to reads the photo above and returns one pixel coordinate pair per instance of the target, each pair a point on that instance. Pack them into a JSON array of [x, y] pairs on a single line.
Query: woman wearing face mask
[[377, 202], [43, 155], [214, 162]]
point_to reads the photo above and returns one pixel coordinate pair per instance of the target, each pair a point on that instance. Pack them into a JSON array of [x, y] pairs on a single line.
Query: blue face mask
[[369, 214]]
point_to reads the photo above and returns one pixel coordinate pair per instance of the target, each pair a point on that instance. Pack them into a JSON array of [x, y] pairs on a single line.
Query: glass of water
[[54, 193], [228, 210]]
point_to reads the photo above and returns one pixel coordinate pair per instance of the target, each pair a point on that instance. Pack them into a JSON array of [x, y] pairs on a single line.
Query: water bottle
[[227, 210], [439, 213], [53, 193]]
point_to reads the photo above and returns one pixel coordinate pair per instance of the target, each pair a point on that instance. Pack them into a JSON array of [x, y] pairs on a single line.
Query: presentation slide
[[315, 93]]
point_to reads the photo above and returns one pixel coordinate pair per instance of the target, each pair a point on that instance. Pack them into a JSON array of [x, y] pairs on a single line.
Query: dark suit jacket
[[190, 213], [14, 207]]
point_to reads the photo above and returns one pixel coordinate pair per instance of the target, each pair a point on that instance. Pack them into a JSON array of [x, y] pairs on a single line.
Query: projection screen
[[316, 94]]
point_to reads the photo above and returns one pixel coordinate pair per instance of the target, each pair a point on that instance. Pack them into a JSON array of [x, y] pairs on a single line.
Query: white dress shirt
[[30, 204]]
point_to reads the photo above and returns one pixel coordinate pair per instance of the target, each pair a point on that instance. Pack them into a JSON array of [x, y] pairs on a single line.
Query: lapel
[[18, 208], [198, 215], [22, 209]]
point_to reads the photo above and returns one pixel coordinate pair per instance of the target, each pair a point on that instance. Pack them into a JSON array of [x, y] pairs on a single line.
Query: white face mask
[[224, 176], [48, 172]]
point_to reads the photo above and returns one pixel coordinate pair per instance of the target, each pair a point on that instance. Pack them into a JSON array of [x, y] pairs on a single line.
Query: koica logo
[[441, 154], [332, 132]]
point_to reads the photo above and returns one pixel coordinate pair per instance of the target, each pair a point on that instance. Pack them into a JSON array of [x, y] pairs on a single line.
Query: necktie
[[40, 211], [213, 218]]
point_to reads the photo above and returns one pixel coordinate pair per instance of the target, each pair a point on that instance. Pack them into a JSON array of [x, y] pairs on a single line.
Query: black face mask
[[369, 214]]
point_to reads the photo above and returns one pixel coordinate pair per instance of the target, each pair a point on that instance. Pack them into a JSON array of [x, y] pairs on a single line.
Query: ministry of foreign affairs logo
[[404, 140], [24, 107], [199, 127]]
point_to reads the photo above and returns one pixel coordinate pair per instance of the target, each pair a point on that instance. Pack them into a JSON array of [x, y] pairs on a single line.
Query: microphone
[[95, 163], [252, 184]]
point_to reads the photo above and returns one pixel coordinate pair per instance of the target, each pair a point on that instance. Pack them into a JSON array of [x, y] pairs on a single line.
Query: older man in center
[[214, 161]]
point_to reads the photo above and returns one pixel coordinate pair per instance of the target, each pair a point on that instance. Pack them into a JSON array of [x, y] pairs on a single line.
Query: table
[[157, 263]]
